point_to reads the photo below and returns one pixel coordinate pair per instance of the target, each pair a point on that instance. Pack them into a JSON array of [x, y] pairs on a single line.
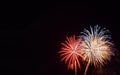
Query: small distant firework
[[96, 46], [71, 52]]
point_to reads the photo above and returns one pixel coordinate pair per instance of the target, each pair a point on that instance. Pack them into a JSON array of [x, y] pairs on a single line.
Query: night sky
[[31, 35]]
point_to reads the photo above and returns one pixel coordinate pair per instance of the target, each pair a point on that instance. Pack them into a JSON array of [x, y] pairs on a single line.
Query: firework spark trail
[[96, 46], [71, 52]]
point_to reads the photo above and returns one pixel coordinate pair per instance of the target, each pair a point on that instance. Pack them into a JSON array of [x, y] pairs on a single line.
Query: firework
[[71, 52], [97, 46]]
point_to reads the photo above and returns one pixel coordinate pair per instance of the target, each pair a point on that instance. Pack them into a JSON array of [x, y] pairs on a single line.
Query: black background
[[31, 34]]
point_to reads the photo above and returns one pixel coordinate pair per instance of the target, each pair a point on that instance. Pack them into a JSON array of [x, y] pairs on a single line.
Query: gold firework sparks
[[96, 46]]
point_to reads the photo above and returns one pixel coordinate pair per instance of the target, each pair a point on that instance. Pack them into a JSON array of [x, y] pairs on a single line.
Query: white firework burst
[[97, 46]]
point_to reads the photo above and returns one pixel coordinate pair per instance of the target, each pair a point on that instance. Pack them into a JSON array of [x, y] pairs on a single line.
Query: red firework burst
[[71, 52]]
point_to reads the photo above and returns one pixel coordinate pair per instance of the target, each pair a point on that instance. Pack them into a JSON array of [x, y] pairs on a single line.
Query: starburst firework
[[71, 52], [97, 46]]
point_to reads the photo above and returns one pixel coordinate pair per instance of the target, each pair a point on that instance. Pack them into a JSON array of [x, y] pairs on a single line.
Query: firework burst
[[71, 52], [97, 46]]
